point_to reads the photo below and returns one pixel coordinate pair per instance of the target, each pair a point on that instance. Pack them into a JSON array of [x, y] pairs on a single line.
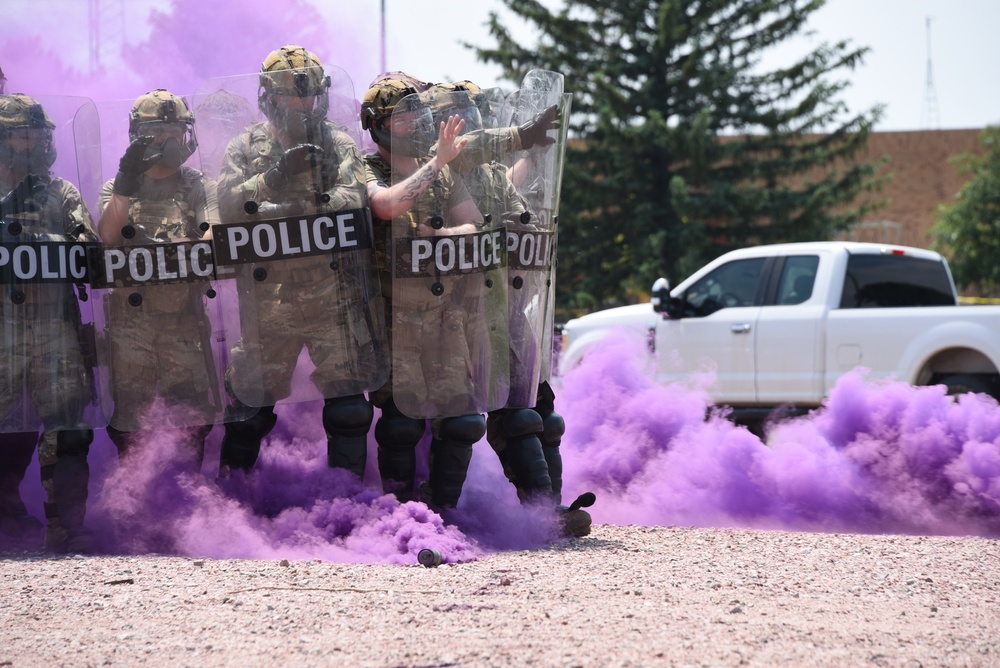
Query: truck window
[[733, 284], [892, 281], [797, 278]]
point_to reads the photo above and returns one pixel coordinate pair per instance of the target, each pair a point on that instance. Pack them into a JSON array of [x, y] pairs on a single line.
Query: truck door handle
[[739, 328]]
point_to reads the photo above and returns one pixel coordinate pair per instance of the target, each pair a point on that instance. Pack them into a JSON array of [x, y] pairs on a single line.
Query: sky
[[425, 36]]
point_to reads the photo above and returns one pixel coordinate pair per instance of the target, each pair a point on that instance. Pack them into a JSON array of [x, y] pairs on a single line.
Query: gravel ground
[[624, 596]]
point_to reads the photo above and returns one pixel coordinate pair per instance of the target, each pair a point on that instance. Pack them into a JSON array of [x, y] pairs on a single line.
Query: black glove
[[294, 161], [133, 165], [27, 196], [535, 132]]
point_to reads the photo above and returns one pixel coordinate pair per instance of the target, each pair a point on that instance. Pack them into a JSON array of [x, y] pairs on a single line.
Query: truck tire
[[965, 383]]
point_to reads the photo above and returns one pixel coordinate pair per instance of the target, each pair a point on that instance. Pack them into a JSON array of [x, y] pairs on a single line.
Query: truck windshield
[[880, 281]]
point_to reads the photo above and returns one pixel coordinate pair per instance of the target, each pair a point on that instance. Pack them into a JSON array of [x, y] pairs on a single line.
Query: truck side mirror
[[663, 303], [660, 295]]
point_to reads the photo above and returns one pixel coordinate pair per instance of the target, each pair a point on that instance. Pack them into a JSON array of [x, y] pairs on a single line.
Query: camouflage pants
[[160, 355], [332, 328], [42, 360]]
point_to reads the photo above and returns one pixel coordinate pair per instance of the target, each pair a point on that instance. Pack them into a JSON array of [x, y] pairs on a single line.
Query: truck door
[[717, 332], [789, 334]]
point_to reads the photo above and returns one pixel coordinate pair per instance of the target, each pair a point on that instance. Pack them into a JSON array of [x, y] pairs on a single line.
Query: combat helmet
[[19, 112], [450, 99], [293, 71], [158, 109], [381, 100]]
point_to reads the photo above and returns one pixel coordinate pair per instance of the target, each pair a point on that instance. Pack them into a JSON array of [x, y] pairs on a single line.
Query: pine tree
[[685, 147]]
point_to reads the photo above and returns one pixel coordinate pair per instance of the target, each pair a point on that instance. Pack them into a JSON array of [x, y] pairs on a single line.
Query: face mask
[[171, 154]]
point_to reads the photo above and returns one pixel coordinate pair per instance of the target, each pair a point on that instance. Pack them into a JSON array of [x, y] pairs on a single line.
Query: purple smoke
[[879, 457]]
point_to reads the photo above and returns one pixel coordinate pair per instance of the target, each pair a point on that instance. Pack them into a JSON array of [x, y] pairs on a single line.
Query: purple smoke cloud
[[879, 456]]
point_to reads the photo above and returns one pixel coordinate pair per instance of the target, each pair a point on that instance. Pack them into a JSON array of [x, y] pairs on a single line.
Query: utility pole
[[382, 47], [931, 117]]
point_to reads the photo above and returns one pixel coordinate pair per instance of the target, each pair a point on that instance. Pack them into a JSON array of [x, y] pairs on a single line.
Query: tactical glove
[[27, 196], [133, 165], [535, 132], [294, 161]]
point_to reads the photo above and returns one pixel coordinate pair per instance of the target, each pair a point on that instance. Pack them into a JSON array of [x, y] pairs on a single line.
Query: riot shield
[[449, 302], [47, 361], [153, 280], [295, 245], [536, 173]]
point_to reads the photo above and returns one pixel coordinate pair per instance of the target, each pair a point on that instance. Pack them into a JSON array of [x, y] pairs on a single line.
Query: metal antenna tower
[[931, 117], [114, 39]]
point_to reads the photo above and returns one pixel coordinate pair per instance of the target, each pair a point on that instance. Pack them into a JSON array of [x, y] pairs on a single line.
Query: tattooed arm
[[388, 202]]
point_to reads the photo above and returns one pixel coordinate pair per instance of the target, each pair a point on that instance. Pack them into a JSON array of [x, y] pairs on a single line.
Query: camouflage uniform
[[159, 347], [309, 302], [440, 369], [299, 303], [42, 352]]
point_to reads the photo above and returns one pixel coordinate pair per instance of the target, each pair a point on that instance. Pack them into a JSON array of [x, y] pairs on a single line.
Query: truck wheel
[[964, 383]]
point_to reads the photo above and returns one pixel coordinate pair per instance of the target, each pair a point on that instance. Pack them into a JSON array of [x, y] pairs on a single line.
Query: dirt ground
[[624, 596]]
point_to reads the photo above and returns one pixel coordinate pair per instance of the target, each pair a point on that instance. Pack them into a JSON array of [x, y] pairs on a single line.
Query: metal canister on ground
[[429, 557]]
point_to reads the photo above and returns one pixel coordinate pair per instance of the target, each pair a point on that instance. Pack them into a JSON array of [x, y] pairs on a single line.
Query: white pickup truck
[[780, 324]]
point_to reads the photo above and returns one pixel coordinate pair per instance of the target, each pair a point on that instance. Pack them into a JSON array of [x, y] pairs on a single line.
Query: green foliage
[[689, 149], [968, 229]]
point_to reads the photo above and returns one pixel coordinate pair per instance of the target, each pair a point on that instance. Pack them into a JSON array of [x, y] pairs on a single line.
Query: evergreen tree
[[685, 147], [969, 228]]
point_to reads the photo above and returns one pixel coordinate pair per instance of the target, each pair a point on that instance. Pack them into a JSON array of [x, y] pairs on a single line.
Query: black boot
[[397, 436], [69, 478], [16, 525], [347, 421], [451, 452], [514, 435], [241, 441]]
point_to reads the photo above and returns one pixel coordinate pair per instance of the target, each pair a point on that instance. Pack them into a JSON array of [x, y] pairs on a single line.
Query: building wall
[[922, 179]]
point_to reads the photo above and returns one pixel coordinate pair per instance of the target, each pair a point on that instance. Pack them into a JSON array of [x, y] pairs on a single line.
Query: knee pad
[[74, 442], [465, 429], [255, 427], [395, 431], [350, 416], [553, 428], [520, 422]]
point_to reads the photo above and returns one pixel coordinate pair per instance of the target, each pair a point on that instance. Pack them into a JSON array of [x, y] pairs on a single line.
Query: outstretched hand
[[536, 131]]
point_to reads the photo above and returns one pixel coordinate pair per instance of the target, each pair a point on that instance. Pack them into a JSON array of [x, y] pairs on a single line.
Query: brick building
[[922, 178]]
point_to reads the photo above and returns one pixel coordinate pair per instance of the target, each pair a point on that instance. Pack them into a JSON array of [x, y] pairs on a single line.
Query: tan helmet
[[293, 70], [160, 106], [381, 99], [21, 112], [450, 99], [225, 107]]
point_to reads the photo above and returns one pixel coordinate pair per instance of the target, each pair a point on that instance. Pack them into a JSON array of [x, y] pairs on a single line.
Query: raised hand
[[133, 165]]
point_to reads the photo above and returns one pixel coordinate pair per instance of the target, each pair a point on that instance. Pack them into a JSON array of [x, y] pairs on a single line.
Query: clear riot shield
[[156, 304], [295, 244], [536, 173], [449, 301], [47, 361]]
